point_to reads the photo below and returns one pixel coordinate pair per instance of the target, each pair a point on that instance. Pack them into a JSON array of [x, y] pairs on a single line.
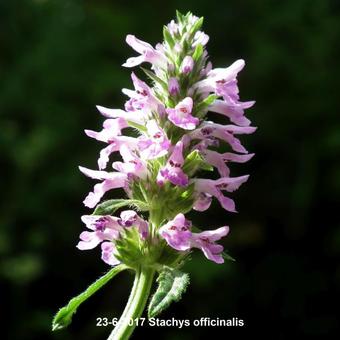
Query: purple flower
[[111, 180], [108, 257], [138, 118], [206, 242], [235, 113], [172, 171], [147, 53], [169, 122], [202, 202], [142, 99], [103, 228], [219, 77], [157, 145], [177, 233], [130, 218], [173, 86], [111, 129], [181, 115], [132, 164], [215, 188], [173, 27], [223, 82], [218, 160], [115, 145], [187, 65], [200, 38], [224, 132]]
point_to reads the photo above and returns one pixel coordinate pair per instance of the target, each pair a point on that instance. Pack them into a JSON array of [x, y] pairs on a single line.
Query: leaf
[[156, 79], [197, 25], [64, 317], [227, 257], [172, 283], [137, 126], [179, 16], [168, 37], [110, 206], [182, 201], [193, 162], [198, 52], [203, 105]]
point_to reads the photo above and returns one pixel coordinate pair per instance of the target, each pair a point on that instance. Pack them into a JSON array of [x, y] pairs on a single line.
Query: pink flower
[[157, 145], [173, 86], [235, 112], [206, 242], [218, 160], [132, 164], [130, 218], [107, 229], [172, 171], [139, 118], [173, 27], [177, 233], [200, 38], [215, 188], [202, 202], [147, 53], [108, 257], [181, 115], [219, 77], [224, 132], [142, 99], [111, 180], [187, 65], [223, 82], [103, 228], [111, 129]]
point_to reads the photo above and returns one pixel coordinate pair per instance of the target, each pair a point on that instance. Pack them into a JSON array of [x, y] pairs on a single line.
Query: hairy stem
[[135, 305]]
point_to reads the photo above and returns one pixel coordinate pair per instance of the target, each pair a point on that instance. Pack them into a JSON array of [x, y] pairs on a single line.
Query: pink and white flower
[[110, 180], [156, 144], [177, 233], [181, 115], [173, 170], [147, 53], [215, 188], [206, 242], [187, 65]]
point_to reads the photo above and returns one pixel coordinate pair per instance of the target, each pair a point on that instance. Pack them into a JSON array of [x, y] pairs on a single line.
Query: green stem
[[135, 305]]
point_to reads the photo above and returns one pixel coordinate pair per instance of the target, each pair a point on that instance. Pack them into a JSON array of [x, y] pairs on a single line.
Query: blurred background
[[60, 58]]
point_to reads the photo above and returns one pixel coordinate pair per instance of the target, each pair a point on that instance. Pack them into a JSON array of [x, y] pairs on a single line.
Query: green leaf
[[197, 25], [198, 52], [194, 162], [203, 105], [182, 201], [168, 37], [156, 79], [137, 126], [179, 16], [110, 206], [64, 317], [227, 257], [172, 283], [209, 100]]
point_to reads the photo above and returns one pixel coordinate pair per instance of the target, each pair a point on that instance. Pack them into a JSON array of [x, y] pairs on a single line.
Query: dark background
[[60, 58]]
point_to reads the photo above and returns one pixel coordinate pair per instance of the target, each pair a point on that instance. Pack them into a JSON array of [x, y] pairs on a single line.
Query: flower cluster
[[166, 142]]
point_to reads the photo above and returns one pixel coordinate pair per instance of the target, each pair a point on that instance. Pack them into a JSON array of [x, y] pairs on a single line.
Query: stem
[[135, 305]]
